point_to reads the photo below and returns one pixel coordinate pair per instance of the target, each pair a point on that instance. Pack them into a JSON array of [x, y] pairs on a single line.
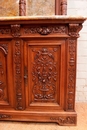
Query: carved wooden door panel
[[45, 85], [6, 80]]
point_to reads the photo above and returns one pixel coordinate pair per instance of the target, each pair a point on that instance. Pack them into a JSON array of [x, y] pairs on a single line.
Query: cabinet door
[[6, 78], [45, 88]]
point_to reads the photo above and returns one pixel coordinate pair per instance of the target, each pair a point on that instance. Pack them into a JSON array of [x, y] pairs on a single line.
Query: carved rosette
[[64, 120], [22, 8], [44, 75], [18, 80], [46, 30], [15, 30]]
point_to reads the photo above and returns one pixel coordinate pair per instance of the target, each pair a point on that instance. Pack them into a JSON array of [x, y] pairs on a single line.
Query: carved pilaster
[[64, 7], [71, 70], [22, 8], [71, 74], [18, 75], [15, 30]]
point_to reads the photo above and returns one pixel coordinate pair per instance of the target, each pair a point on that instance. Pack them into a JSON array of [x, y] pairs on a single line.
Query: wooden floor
[[81, 109]]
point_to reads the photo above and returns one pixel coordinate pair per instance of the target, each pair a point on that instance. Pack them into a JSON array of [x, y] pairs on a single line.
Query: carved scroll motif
[[44, 75], [4, 47], [15, 30], [46, 30], [64, 120], [22, 8], [3, 116], [18, 80]]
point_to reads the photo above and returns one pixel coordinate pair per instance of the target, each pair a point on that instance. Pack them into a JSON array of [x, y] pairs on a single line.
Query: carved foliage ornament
[[46, 30], [74, 30], [5, 31], [15, 30], [44, 75], [64, 120], [18, 80], [71, 73], [2, 116]]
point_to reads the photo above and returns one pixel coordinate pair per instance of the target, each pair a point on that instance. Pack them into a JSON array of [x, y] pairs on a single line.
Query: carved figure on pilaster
[[64, 7], [22, 8]]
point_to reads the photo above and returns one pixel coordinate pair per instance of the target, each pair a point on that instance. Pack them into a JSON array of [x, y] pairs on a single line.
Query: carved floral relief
[[64, 120], [3, 81], [45, 30], [44, 74]]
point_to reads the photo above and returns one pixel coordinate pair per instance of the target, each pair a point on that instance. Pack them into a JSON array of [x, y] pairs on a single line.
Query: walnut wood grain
[[38, 69]]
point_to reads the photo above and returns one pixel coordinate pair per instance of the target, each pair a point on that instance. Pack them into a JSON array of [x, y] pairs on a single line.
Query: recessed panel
[[44, 74]]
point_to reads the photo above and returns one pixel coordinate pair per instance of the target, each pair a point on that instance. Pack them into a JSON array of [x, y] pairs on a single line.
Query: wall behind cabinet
[[9, 7], [40, 7]]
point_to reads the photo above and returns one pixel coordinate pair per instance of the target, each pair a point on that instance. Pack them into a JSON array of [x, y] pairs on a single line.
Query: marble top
[[55, 17]]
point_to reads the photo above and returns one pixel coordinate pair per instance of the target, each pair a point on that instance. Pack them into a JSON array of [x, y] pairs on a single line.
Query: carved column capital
[[15, 30], [74, 30]]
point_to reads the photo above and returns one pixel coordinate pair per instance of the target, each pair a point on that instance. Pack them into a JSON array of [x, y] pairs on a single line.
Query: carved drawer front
[[44, 74], [5, 74]]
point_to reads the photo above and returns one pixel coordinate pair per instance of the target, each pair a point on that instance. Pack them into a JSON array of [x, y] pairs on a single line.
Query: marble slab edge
[[54, 17]]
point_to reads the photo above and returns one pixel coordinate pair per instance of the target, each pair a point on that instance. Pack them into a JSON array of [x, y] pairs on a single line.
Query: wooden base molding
[[63, 120]]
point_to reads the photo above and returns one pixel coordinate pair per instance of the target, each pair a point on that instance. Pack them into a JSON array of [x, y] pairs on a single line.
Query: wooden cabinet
[[38, 68]]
